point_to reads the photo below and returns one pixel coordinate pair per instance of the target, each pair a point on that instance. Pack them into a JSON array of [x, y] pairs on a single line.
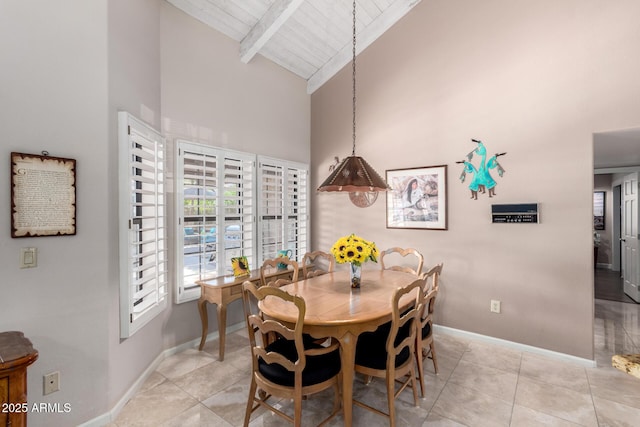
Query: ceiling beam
[[266, 27], [365, 37]]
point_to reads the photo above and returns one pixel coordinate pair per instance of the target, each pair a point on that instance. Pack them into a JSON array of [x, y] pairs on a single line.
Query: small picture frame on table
[[240, 266]]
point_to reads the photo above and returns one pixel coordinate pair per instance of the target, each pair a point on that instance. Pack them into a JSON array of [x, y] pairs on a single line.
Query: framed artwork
[[240, 266], [418, 198], [43, 195], [598, 210]]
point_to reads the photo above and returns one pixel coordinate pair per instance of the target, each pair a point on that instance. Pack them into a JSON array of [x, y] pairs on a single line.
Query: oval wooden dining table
[[336, 310]]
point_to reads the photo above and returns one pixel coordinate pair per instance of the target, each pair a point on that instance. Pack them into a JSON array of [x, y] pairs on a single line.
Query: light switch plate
[[28, 257]]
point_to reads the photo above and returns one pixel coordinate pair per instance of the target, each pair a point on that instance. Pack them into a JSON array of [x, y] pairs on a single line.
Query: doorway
[[616, 154], [608, 279]]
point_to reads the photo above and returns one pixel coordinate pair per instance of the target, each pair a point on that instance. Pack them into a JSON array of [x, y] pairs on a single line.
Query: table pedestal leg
[[202, 308], [347, 358]]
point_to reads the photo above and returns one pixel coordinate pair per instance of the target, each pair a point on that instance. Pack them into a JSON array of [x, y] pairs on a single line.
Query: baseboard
[[111, 416], [445, 330], [604, 266]]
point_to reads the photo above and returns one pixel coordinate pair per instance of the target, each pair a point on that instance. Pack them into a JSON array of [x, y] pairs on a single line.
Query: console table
[[16, 353], [221, 291]]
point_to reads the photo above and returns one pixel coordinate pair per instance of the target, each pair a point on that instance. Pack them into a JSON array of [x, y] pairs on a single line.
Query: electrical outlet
[[495, 306], [51, 382]]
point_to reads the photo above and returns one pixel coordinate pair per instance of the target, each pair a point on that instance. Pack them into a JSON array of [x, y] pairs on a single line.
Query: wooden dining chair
[[433, 279], [425, 345], [285, 368], [272, 273], [388, 352], [316, 263], [403, 253]]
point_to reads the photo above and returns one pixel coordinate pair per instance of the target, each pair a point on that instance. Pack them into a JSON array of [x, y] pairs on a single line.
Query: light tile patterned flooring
[[478, 385]]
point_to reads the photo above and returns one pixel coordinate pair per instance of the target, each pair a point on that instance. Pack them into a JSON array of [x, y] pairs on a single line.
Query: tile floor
[[478, 385]]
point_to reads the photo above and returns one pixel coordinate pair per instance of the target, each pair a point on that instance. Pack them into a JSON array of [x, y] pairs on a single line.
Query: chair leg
[[252, 394], [337, 401], [414, 386], [418, 354], [297, 409], [433, 356], [391, 397]]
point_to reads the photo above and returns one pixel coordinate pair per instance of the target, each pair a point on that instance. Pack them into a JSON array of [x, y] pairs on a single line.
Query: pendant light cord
[[353, 65]]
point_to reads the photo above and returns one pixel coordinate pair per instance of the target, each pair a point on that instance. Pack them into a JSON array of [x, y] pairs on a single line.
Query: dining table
[[335, 309]]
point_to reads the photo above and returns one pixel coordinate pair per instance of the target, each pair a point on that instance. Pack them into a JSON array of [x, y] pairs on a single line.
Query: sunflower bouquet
[[355, 250]]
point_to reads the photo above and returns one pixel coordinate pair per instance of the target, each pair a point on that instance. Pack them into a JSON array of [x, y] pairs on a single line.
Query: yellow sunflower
[[354, 249]]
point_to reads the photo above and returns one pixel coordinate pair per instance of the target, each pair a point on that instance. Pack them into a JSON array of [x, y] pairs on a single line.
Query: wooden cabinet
[[16, 354]]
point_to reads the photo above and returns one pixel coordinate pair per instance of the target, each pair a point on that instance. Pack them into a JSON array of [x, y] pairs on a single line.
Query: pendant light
[[354, 175]]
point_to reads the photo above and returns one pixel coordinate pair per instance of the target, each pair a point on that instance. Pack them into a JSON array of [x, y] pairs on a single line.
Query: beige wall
[[53, 97], [134, 83], [533, 79], [210, 97]]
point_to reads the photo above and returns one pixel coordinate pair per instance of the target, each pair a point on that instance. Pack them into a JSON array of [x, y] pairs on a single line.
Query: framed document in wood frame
[[418, 198], [43, 195]]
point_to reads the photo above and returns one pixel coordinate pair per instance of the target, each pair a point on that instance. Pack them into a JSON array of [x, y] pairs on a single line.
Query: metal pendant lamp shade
[[354, 174]]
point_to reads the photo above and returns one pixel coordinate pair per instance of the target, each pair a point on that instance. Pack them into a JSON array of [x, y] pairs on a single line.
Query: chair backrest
[[316, 263], [403, 253], [426, 313], [432, 277], [403, 322], [271, 274], [257, 324], [430, 292]]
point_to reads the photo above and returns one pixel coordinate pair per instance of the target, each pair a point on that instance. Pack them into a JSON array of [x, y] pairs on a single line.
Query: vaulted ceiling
[[311, 38]]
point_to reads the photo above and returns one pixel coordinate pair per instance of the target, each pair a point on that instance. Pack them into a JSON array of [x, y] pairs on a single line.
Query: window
[[143, 262], [283, 207], [216, 208], [215, 213]]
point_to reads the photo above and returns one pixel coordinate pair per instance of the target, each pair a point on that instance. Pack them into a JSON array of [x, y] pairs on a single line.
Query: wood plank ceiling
[[311, 38]]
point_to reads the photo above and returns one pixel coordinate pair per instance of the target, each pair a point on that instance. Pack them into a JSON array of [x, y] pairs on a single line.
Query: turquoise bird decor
[[482, 179]]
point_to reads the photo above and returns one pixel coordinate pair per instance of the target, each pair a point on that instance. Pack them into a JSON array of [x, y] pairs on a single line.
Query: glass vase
[[355, 271]]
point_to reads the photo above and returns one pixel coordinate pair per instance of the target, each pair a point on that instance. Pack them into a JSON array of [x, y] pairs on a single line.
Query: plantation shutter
[[143, 248], [296, 209], [283, 208], [215, 211], [271, 207], [239, 209]]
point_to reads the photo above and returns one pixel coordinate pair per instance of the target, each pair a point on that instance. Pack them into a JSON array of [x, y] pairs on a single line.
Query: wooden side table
[[222, 291], [16, 354]]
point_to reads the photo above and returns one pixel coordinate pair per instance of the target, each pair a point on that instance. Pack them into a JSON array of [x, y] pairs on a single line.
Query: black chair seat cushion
[[308, 340], [426, 330], [318, 368], [371, 349]]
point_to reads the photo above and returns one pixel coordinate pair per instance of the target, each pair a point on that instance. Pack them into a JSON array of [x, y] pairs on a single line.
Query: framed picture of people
[[418, 198]]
